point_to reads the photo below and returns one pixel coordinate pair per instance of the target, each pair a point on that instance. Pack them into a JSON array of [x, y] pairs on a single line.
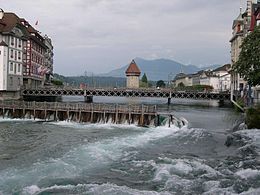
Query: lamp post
[[170, 75], [1, 14]]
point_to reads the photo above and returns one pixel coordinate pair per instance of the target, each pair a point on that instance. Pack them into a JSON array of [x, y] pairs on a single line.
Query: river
[[38, 157]]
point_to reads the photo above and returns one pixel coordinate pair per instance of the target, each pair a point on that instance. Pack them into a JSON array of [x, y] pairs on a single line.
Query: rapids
[[41, 158]]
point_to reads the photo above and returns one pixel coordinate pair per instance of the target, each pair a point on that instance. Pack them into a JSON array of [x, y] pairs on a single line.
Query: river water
[[68, 158]]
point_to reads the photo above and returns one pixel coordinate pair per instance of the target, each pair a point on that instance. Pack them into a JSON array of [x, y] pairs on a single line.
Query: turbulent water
[[69, 158]]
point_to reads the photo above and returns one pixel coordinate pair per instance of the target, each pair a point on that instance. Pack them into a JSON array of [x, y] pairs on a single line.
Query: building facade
[[219, 78], [133, 74], [26, 58], [242, 26], [48, 60], [238, 34], [34, 60], [13, 38], [182, 80]]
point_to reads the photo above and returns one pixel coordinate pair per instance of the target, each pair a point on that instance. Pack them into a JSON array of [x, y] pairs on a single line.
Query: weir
[[142, 115]]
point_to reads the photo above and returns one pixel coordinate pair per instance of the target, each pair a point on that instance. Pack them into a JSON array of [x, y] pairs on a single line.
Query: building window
[[15, 55], [19, 55], [12, 53], [11, 81], [15, 68], [20, 43], [11, 67], [19, 68], [12, 40]]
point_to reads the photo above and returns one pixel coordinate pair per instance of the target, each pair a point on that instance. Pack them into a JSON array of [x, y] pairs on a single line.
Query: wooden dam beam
[[74, 111]]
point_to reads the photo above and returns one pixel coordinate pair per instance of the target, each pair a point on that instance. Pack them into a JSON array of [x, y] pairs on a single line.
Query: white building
[[182, 79], [224, 77], [210, 79], [13, 37]]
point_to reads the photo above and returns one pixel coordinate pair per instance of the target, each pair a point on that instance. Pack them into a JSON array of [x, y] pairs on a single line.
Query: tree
[[181, 85], [144, 79], [160, 83], [248, 64]]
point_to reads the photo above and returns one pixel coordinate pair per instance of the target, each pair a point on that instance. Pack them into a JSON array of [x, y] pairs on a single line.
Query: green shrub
[[57, 82], [253, 117]]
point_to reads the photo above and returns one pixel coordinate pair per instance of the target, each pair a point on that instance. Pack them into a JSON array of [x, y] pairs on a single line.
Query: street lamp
[[170, 75], [1, 14]]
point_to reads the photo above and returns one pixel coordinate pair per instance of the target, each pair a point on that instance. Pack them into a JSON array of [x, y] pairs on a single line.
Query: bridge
[[88, 93]]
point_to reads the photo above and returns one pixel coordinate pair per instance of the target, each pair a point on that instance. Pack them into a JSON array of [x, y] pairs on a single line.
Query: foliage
[[143, 84], [144, 78], [248, 65], [92, 81], [253, 117], [57, 82], [181, 85], [160, 83]]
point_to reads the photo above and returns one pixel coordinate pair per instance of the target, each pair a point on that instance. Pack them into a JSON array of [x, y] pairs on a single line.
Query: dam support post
[[88, 99], [169, 99]]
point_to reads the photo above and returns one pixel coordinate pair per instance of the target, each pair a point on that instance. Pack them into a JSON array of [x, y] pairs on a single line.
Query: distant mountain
[[159, 69], [92, 81]]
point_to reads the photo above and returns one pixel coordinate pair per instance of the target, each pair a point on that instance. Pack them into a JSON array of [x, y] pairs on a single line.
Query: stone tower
[[132, 74]]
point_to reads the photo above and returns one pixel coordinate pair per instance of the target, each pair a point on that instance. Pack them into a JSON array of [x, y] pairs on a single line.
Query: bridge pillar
[[88, 99], [169, 101]]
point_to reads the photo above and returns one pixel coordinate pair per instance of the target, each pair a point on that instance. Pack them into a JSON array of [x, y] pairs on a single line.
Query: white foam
[[99, 189], [248, 173], [108, 125], [31, 190], [174, 172], [84, 158], [17, 119]]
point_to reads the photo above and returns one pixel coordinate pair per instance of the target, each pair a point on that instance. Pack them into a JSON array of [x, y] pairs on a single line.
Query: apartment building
[[13, 38]]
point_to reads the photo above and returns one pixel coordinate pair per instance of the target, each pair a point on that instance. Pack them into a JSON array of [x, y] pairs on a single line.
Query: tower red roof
[[133, 69]]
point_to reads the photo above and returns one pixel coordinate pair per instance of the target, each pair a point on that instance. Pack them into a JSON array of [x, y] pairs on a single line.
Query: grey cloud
[[97, 35]]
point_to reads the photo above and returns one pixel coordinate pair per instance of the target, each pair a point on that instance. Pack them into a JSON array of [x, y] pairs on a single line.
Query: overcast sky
[[101, 35]]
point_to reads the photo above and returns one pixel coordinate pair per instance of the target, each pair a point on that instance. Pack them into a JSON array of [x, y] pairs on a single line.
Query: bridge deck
[[162, 93]]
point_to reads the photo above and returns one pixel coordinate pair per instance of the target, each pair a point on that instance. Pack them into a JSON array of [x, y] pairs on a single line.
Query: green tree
[[160, 83], [57, 82], [144, 78], [181, 85], [248, 64]]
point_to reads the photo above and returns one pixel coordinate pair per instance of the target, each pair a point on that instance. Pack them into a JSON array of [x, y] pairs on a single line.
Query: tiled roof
[[225, 67], [133, 69], [8, 22]]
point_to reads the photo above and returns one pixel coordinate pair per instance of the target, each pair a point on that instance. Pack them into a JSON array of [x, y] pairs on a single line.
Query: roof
[[225, 67], [133, 69], [239, 19], [8, 22], [3, 44]]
